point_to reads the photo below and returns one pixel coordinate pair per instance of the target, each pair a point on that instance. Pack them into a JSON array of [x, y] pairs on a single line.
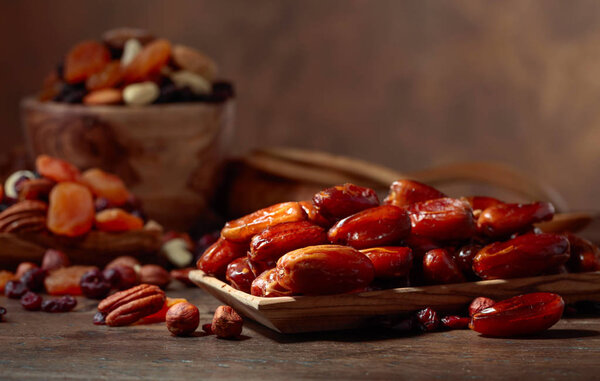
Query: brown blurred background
[[406, 84]]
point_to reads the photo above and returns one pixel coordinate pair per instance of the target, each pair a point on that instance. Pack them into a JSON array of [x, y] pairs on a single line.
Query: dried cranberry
[[34, 279], [479, 304], [14, 289], [31, 301], [99, 318], [2, 312], [113, 276], [428, 319], [63, 304], [128, 277], [455, 322], [94, 285]]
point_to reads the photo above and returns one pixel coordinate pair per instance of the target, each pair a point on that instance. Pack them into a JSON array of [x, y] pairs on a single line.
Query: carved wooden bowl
[[169, 155]]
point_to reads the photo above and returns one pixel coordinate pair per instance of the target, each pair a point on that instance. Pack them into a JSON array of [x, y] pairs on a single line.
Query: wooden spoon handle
[[321, 167]]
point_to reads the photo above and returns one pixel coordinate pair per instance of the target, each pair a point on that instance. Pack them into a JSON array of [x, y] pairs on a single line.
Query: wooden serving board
[[348, 311]]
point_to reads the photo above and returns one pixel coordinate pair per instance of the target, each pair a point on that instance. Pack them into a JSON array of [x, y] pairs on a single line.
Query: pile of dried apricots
[[130, 66]]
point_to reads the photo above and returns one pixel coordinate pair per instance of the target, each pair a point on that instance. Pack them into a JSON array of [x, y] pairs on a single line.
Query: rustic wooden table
[[37, 345]]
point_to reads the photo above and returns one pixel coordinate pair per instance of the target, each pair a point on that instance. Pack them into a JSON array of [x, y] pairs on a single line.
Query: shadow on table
[[356, 335], [377, 334], [556, 334]]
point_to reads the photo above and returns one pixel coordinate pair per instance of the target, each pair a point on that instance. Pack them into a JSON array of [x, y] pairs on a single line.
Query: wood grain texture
[[40, 346], [169, 155], [95, 248], [347, 311]]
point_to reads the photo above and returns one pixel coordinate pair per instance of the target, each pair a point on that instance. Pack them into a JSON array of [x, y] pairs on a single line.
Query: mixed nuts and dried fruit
[[345, 241], [130, 66], [137, 297], [59, 199]]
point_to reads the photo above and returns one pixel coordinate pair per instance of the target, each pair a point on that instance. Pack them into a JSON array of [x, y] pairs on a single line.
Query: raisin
[[31, 301], [455, 322], [428, 319], [121, 277], [71, 210], [63, 304], [94, 285], [14, 289], [99, 319], [33, 279], [85, 59]]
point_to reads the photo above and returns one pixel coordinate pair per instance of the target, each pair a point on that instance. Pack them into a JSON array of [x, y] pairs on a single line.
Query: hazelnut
[[154, 274], [23, 268], [182, 275], [182, 319], [227, 324], [54, 259], [124, 260]]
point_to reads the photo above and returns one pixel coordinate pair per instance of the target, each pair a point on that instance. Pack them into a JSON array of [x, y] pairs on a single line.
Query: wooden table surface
[[37, 345]]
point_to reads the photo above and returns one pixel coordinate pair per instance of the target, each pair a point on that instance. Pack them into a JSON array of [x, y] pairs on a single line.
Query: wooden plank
[[346, 311]]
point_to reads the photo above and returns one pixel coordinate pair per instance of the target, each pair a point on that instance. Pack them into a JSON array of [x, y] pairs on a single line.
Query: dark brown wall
[[408, 84]]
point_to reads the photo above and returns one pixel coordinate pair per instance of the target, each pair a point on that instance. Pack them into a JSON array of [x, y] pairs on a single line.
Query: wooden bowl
[[169, 155], [95, 248], [293, 314]]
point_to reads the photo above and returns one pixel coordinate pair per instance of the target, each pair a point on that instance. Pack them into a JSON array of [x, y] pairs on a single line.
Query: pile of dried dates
[[130, 66], [345, 241], [59, 199]]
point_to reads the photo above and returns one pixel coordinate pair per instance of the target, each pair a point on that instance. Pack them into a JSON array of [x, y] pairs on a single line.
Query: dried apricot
[[71, 209], [109, 77], [5, 276], [106, 185], [56, 169], [66, 280], [85, 59], [117, 220], [149, 61]]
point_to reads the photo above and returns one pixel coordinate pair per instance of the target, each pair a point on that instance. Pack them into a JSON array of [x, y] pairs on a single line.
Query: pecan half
[[24, 216], [127, 307]]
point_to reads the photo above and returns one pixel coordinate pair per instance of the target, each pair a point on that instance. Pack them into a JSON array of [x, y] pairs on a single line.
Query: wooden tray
[[347, 311]]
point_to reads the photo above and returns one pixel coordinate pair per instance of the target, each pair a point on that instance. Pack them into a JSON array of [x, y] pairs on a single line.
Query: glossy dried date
[[215, 259], [381, 225], [324, 269], [390, 261], [240, 275], [480, 203], [526, 255], [585, 256], [314, 215], [439, 267], [521, 315], [505, 219], [266, 285], [244, 228], [277, 240], [442, 219], [406, 192], [344, 200]]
